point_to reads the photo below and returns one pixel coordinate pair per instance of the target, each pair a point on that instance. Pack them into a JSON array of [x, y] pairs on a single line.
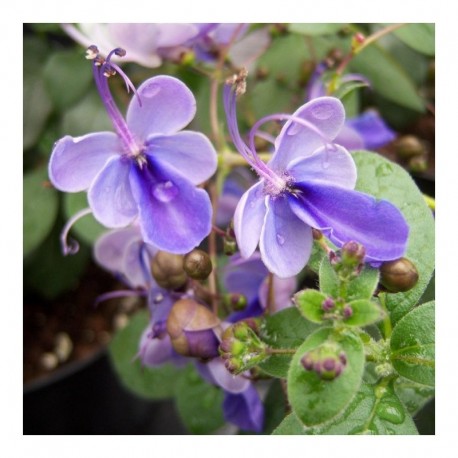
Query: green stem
[[280, 351], [387, 327]]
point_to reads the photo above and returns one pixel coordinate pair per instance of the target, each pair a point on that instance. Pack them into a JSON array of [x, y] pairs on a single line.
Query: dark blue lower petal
[[244, 410], [175, 216], [372, 129], [344, 215]]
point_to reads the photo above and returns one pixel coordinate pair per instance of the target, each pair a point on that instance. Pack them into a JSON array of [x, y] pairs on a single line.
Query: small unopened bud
[[359, 37], [197, 264], [229, 246], [167, 270], [353, 254], [418, 164], [398, 276], [327, 360], [347, 312], [328, 304], [235, 301], [409, 146], [317, 235], [193, 329]]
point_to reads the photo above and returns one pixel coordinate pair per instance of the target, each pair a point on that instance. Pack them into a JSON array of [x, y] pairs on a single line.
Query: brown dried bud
[[409, 146], [197, 264], [167, 270], [399, 275]]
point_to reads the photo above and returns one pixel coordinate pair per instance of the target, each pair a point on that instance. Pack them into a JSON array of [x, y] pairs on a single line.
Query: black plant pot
[[87, 398]]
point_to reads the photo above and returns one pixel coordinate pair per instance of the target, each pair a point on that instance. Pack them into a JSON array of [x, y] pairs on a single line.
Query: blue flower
[[308, 183], [148, 169]]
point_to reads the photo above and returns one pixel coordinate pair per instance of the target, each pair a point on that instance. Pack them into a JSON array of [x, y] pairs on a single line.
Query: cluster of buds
[[336, 309], [241, 349], [328, 361], [348, 261], [194, 330], [171, 271]]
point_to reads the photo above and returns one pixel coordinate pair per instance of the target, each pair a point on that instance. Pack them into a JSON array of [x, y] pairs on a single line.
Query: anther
[[92, 52]]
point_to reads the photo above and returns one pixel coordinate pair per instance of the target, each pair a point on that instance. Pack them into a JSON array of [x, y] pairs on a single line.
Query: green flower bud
[[197, 264], [229, 246], [328, 361], [167, 270], [398, 276], [235, 301]]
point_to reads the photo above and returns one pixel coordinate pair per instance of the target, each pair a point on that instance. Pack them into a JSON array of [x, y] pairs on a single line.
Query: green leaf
[[412, 345], [317, 401], [67, 76], [40, 204], [387, 77], [49, 272], [284, 329], [374, 410], [309, 302], [347, 89], [87, 228], [315, 29], [198, 403], [413, 395], [152, 383], [274, 407], [365, 312], [420, 37], [316, 257], [386, 180], [270, 96], [361, 287], [36, 103]]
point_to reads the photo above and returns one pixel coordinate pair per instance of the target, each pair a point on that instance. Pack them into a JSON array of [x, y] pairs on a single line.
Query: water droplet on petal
[[294, 128], [151, 90], [280, 239], [391, 411], [322, 111], [165, 191]]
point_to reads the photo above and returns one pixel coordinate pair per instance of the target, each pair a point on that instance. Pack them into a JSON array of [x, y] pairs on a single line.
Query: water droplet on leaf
[[384, 170], [165, 191], [391, 411]]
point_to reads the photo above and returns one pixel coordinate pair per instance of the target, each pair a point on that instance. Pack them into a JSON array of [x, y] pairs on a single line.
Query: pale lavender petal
[[167, 105], [332, 164], [315, 85], [155, 352], [224, 379], [176, 34], [110, 196], [345, 215], [160, 302], [372, 129], [139, 40], [175, 216], [249, 218], [136, 265], [244, 409], [283, 290], [189, 153], [75, 161], [244, 276], [326, 114], [225, 32], [245, 51], [286, 242], [110, 247], [349, 138]]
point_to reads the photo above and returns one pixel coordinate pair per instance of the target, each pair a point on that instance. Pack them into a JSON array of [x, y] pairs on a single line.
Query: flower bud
[[235, 301], [241, 348], [229, 246], [418, 164], [409, 146], [327, 360], [399, 275], [193, 329], [328, 304], [348, 261], [167, 270], [197, 264], [353, 254]]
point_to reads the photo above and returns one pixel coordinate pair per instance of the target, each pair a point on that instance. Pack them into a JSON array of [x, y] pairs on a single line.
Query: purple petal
[[189, 153], [110, 196], [154, 352], [244, 409], [283, 289], [333, 165], [372, 129], [286, 242], [167, 105], [250, 47], [75, 162], [249, 218], [315, 86], [326, 114], [176, 34], [224, 379], [345, 215], [160, 302], [175, 216], [225, 32], [244, 276], [349, 138], [253, 309]]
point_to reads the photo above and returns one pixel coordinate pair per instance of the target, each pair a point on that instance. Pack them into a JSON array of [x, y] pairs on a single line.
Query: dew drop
[[391, 412], [151, 90], [294, 128], [322, 111], [280, 239], [384, 170], [165, 191]]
